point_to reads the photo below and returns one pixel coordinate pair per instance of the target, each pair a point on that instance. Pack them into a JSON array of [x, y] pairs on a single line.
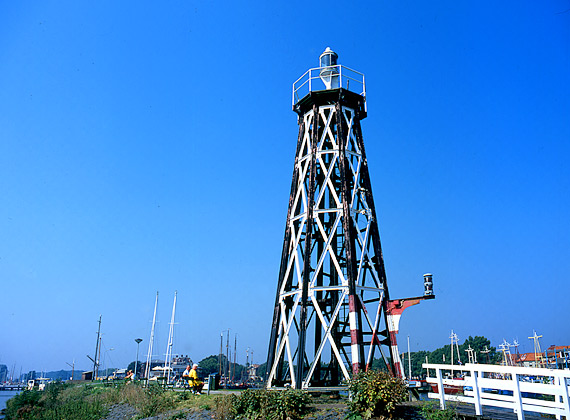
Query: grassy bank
[[374, 395], [91, 402]]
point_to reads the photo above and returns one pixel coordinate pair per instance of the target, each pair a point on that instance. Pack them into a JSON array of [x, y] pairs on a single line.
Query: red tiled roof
[[524, 357], [558, 348]]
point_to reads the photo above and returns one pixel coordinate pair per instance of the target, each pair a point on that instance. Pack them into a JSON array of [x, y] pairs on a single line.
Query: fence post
[[564, 392], [440, 388], [476, 393], [517, 396]]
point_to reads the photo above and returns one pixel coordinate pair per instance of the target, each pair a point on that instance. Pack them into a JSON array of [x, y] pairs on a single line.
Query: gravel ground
[[127, 412], [324, 412], [330, 414], [121, 412]]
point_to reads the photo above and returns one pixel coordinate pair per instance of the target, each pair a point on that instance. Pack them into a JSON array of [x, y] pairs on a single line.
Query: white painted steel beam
[[329, 280]]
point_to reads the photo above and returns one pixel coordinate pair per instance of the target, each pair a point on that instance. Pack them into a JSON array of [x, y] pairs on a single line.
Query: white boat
[[38, 383]]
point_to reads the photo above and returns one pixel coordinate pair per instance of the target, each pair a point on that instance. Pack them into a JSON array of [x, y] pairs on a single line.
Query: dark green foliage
[[375, 393], [261, 370], [263, 404], [52, 405], [379, 364], [291, 404], [478, 343], [22, 404], [210, 365], [139, 368], [431, 411], [248, 403]]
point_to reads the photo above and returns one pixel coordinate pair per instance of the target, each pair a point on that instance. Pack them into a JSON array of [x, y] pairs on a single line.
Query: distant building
[[558, 356], [252, 373], [179, 364], [555, 357], [153, 364], [524, 359], [3, 373], [119, 374]]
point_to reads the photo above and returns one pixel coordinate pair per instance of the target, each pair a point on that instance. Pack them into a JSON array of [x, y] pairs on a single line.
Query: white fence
[[521, 389]]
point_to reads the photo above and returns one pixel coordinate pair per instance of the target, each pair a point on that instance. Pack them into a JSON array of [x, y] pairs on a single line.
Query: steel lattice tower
[[330, 317]]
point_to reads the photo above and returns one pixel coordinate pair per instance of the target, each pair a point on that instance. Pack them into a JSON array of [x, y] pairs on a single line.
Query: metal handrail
[[311, 81]]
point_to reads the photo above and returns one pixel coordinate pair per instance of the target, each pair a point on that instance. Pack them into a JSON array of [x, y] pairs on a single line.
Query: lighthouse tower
[[332, 315]]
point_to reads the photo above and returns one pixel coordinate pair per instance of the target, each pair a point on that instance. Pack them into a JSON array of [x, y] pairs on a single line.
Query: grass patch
[[57, 402], [431, 411]]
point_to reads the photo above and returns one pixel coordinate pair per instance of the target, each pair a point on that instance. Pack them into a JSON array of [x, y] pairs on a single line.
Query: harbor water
[[5, 396]]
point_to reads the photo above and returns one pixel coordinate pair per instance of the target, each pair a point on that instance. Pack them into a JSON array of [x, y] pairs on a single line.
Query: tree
[[443, 355], [479, 344], [139, 368], [210, 364], [262, 370], [378, 364]]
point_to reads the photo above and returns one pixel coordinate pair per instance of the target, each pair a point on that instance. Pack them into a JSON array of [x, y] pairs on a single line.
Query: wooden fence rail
[[538, 390]]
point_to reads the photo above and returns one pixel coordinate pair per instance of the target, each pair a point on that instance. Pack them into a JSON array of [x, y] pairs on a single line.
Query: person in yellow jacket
[[191, 376]]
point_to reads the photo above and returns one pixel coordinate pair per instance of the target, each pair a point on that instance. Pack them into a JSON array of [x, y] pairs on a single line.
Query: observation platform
[[329, 97]]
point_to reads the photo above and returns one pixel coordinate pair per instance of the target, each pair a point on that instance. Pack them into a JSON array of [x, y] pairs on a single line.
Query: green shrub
[[155, 401], [55, 403], [431, 411], [291, 403], [375, 394], [248, 403], [22, 404], [262, 404], [223, 407]]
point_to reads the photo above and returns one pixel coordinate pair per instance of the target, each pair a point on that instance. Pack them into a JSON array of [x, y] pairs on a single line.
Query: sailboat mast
[[228, 371], [97, 350], [221, 353], [409, 361], [235, 357], [151, 341], [170, 340]]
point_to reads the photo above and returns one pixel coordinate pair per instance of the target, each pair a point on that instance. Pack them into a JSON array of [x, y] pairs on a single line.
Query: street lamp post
[[138, 341]]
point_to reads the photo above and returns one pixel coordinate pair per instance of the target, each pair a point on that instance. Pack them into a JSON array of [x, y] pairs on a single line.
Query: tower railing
[[312, 80]]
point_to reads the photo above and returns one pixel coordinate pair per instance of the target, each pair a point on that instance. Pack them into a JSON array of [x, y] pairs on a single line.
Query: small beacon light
[[428, 284], [329, 70]]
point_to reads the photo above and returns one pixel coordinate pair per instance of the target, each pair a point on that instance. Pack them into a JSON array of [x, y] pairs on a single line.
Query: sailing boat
[[168, 358], [151, 342]]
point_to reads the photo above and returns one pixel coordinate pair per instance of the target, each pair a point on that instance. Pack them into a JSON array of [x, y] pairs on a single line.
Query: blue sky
[[148, 146]]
